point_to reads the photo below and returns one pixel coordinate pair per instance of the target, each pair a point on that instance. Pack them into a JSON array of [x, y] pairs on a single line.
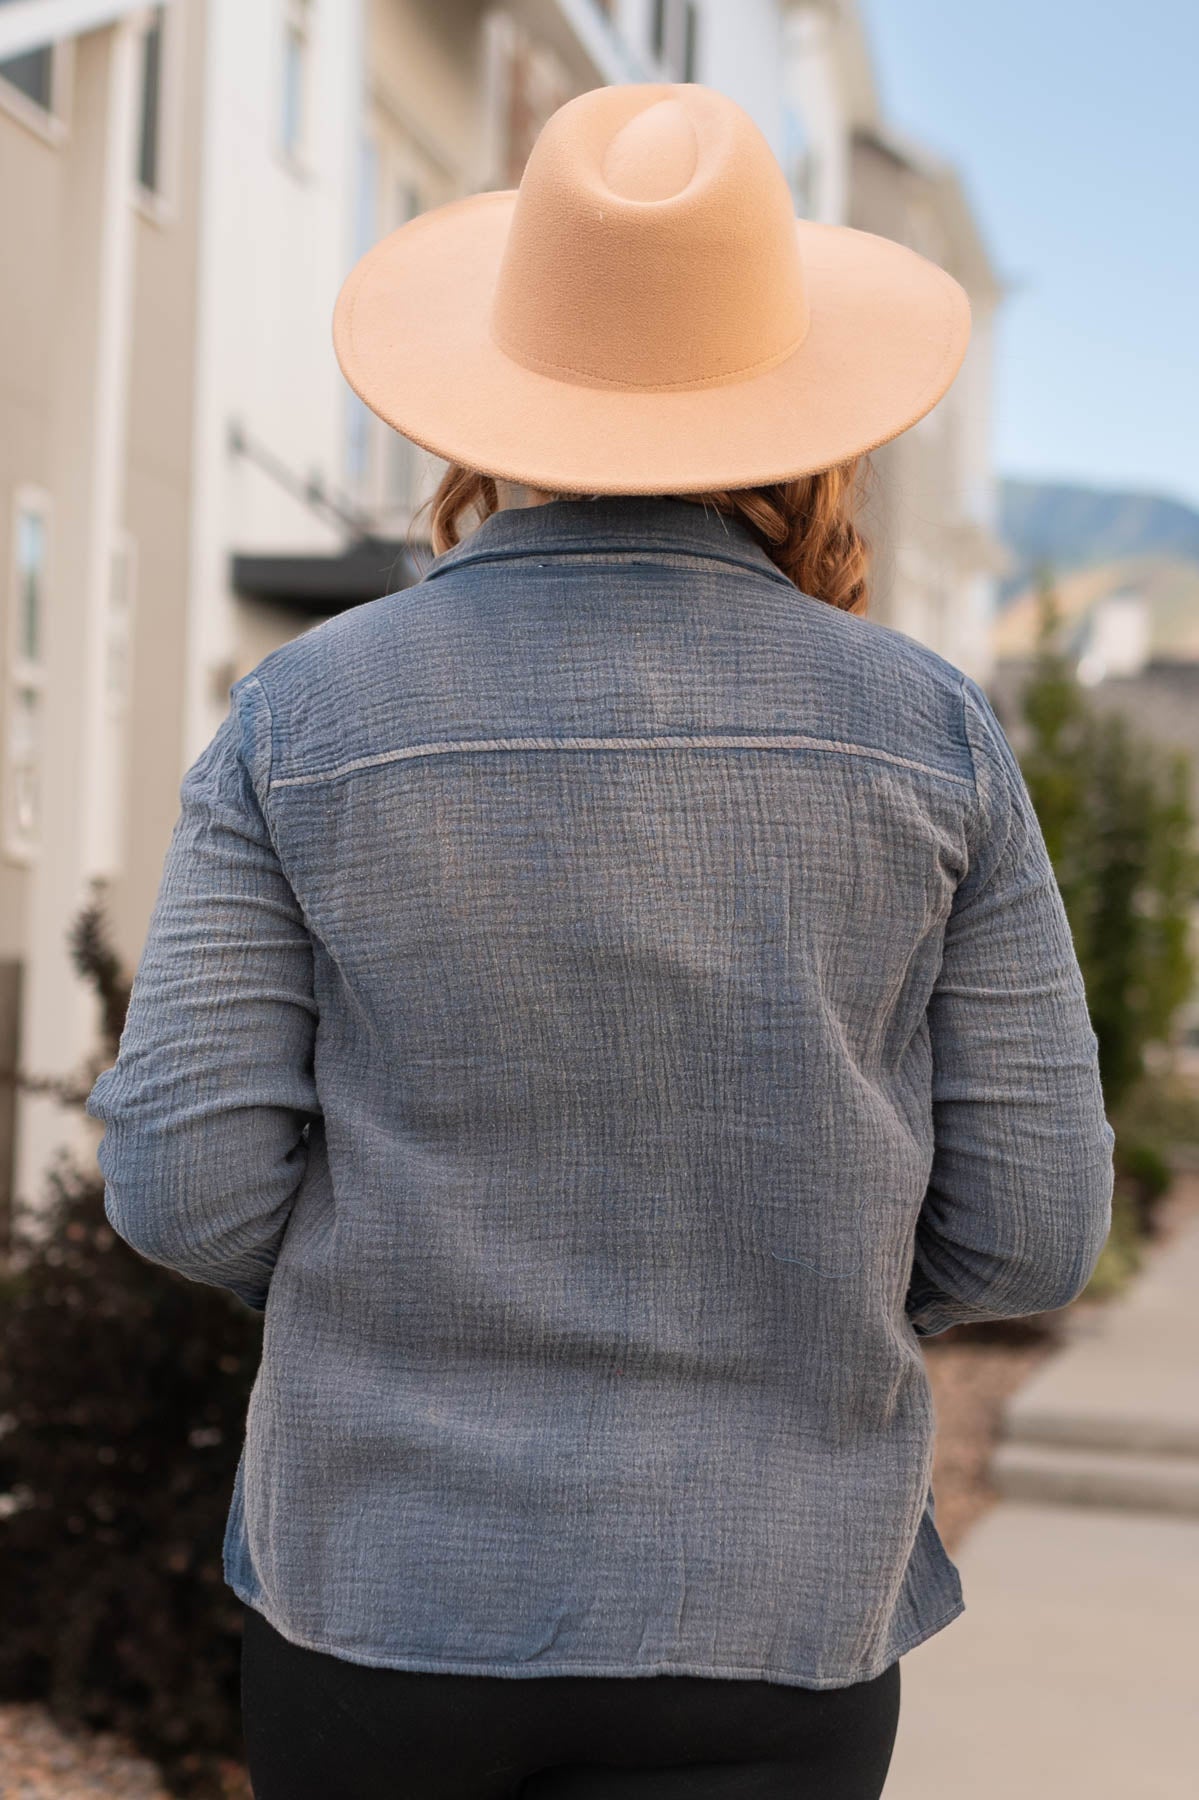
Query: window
[[149, 152], [297, 29], [32, 75], [524, 82], [34, 88], [925, 233], [537, 86], [407, 202], [798, 161], [402, 466], [674, 37], [366, 224], [107, 824], [690, 33], [25, 675], [118, 644], [658, 30], [412, 191], [31, 561], [358, 445], [403, 469]]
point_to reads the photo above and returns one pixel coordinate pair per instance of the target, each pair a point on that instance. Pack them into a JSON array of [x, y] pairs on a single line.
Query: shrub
[[1115, 810], [1121, 1256], [1147, 1176], [123, 1393]]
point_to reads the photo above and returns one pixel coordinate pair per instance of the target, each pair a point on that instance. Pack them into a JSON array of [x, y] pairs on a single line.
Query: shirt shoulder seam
[[248, 683]]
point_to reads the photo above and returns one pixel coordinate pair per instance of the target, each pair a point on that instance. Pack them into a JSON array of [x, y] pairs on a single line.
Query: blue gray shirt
[[605, 1006]]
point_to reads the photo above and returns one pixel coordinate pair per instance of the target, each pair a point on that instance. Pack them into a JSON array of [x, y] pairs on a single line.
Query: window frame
[[360, 450], [120, 633], [52, 123], [160, 204], [23, 674], [118, 651], [691, 32], [675, 36], [659, 31], [298, 27]]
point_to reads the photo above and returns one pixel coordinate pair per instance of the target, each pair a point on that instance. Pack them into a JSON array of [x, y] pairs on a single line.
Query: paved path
[[1073, 1674]]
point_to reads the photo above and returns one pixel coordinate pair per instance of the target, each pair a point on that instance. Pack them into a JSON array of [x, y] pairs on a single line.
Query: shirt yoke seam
[[665, 741]]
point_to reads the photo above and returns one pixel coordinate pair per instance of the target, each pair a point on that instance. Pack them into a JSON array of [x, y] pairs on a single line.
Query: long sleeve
[[206, 1107], [1019, 1198]]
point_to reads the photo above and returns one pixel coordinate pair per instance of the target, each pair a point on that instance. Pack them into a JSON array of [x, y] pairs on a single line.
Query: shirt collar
[[662, 523]]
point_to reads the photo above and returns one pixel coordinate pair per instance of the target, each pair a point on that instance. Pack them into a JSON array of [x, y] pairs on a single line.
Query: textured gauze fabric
[[605, 1006]]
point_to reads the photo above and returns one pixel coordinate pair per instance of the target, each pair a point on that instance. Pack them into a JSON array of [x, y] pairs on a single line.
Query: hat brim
[[888, 332]]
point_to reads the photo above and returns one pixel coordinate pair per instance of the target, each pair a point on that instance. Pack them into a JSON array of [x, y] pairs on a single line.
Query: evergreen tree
[[1117, 820]]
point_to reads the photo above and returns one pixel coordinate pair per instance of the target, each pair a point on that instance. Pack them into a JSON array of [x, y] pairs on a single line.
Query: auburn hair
[[808, 526]]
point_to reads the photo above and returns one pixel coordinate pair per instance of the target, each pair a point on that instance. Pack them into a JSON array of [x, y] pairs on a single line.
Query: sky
[[1074, 128]]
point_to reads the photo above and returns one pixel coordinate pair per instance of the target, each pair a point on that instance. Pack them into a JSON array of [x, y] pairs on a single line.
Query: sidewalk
[[1074, 1670]]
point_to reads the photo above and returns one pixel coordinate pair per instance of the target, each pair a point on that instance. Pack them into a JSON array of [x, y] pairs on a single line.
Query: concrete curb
[[1113, 1419], [1073, 1477]]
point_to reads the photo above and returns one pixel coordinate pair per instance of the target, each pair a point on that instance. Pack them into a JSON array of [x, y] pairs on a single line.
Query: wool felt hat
[[645, 313]]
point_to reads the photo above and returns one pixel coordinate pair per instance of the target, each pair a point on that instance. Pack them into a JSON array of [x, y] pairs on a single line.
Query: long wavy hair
[[808, 526]]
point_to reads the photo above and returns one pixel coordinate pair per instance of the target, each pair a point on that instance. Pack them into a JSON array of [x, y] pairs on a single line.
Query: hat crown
[[653, 245]]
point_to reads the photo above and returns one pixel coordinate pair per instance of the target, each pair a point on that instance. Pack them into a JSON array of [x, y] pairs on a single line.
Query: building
[[936, 527], [99, 169], [932, 521]]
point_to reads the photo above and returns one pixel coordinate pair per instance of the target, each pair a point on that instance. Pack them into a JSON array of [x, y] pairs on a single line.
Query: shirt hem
[[420, 1663]]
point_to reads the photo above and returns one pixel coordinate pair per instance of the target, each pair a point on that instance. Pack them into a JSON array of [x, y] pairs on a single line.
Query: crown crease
[[654, 156]]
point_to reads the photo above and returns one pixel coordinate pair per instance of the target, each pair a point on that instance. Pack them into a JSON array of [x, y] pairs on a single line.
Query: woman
[[605, 1004]]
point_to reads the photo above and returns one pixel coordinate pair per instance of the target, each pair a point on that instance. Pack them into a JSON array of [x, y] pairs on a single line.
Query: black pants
[[320, 1728]]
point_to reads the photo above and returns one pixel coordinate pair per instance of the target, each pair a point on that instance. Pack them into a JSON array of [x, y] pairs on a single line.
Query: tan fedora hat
[[646, 314]]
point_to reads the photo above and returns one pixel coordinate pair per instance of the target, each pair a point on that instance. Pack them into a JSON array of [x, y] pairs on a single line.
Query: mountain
[[1081, 527]]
